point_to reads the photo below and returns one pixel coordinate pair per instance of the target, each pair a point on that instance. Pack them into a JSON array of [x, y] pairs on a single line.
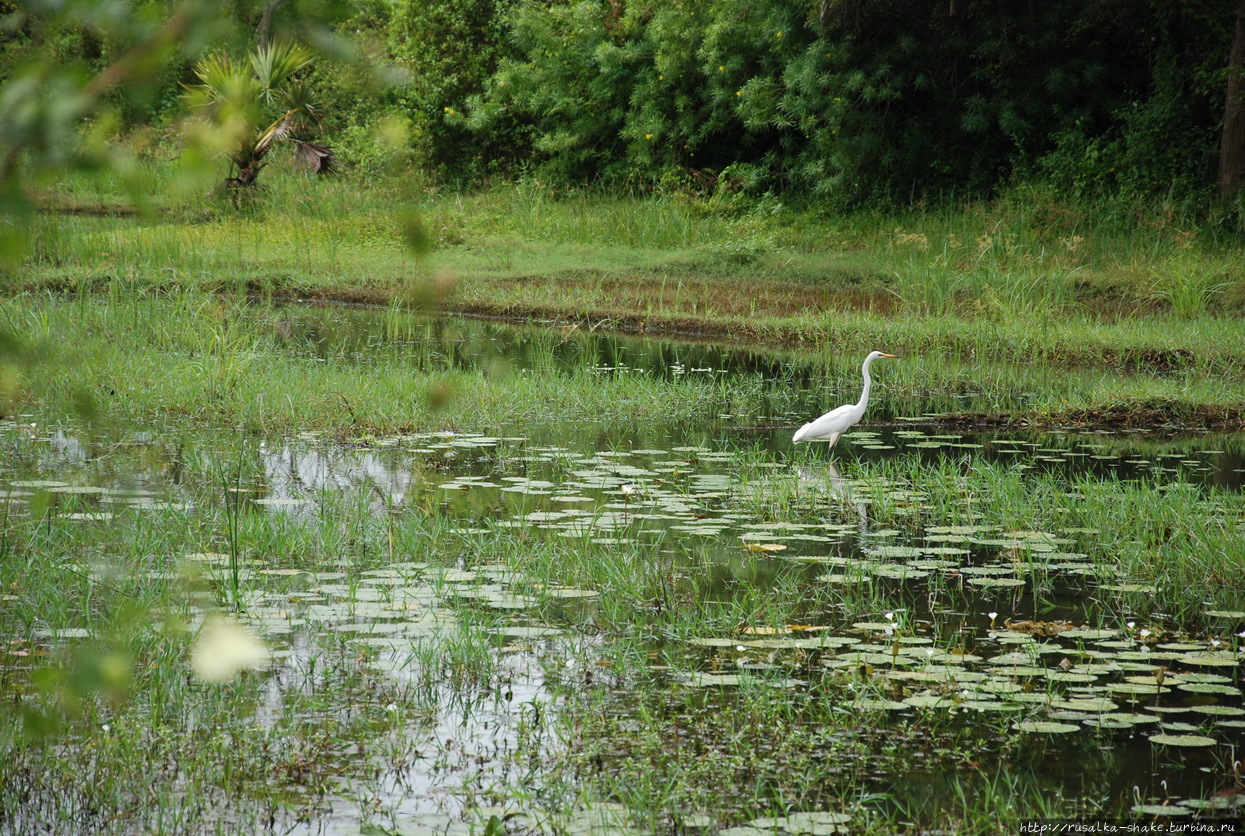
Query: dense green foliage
[[851, 100], [451, 49], [846, 101]]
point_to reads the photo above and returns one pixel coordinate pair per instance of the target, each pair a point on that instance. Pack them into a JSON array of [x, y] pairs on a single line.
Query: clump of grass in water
[[232, 499], [161, 714], [1132, 520]]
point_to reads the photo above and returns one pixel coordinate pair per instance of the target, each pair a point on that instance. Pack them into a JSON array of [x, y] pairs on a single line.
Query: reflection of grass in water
[[625, 725], [652, 595], [199, 358]]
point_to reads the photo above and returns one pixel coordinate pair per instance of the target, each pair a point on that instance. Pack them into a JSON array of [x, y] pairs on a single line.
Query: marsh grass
[[125, 700], [618, 718], [193, 358], [666, 260], [1176, 539], [1191, 286], [174, 338]]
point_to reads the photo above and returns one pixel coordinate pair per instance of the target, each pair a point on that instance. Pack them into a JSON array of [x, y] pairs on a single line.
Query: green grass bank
[[1149, 298]]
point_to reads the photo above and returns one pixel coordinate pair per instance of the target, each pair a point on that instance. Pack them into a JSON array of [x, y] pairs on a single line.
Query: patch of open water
[[998, 628]]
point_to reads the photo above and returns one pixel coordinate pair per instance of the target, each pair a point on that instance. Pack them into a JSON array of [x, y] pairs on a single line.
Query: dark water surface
[[964, 644]]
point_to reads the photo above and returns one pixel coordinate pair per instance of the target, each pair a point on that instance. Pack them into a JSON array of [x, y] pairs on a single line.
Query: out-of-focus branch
[[125, 66], [120, 70]]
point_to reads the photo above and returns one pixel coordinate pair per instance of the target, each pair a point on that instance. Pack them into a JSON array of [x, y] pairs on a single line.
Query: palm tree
[[239, 100]]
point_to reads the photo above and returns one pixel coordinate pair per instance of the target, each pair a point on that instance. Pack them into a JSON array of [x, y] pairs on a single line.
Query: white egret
[[835, 422]]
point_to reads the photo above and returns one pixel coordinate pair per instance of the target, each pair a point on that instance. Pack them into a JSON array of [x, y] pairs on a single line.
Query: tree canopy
[[845, 101]]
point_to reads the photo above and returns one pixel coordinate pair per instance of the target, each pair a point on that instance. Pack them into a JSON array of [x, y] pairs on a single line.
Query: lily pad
[[866, 704], [990, 583], [1217, 659], [1182, 740], [1164, 810], [1209, 688], [1218, 710], [1045, 727]]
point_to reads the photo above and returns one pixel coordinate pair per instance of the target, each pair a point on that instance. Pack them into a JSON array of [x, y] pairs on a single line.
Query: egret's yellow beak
[[892, 356]]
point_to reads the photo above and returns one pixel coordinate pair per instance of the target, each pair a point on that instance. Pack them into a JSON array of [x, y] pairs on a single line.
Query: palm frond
[[283, 128], [321, 159], [227, 91], [297, 96], [276, 63], [216, 71]]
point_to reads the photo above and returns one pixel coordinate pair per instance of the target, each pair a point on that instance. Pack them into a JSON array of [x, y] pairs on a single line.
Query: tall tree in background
[[1232, 143], [868, 100]]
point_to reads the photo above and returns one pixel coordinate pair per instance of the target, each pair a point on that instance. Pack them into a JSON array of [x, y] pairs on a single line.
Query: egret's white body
[[835, 422]]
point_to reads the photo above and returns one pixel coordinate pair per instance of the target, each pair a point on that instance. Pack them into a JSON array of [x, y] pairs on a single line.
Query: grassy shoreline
[[196, 359], [1147, 298]]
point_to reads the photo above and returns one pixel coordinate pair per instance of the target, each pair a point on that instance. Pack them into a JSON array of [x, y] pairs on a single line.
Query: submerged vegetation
[[569, 636], [633, 606]]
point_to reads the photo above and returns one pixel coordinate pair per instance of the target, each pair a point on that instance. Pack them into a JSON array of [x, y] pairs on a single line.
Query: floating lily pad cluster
[[1182, 693], [1049, 678], [394, 608], [1179, 691], [1100, 453]]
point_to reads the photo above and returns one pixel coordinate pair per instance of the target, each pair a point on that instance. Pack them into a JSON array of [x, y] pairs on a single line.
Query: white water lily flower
[[224, 649]]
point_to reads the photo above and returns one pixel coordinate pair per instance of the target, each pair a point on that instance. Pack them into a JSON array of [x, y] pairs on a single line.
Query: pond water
[[970, 631]]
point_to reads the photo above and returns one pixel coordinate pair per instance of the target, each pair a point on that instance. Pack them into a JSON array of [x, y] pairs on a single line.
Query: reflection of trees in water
[[295, 471], [459, 344], [388, 478], [841, 492]]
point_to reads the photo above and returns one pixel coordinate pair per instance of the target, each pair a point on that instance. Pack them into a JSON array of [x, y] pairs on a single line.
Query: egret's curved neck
[[864, 372]]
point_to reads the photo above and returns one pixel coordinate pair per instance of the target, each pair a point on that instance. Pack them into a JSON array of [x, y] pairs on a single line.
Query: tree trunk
[[1232, 142], [263, 32]]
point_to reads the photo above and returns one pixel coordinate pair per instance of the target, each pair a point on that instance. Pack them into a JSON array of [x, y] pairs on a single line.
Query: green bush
[[883, 100], [450, 48]]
